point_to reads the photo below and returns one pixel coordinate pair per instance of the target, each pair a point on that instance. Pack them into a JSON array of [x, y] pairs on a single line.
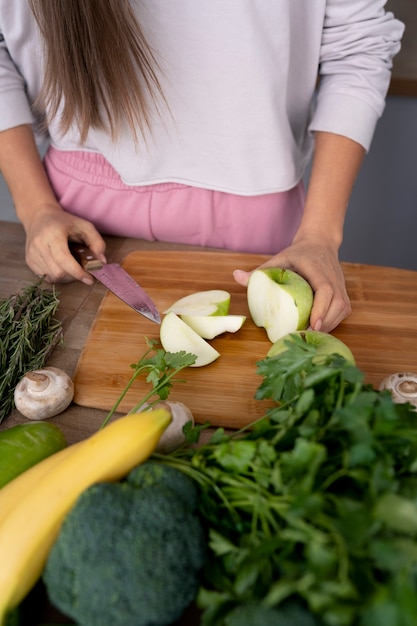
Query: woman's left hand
[[318, 263]]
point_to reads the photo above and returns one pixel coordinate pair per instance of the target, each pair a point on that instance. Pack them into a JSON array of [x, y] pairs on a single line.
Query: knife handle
[[84, 256]]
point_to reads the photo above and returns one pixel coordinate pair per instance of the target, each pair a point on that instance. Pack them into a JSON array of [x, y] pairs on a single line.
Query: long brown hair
[[98, 65]]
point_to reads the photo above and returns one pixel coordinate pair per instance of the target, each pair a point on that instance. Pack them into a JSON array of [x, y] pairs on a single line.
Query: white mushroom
[[173, 437], [43, 393], [403, 387]]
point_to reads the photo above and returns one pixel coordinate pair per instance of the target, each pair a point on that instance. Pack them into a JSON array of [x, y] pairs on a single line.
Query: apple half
[[279, 301], [210, 302], [210, 326], [324, 344], [177, 336]]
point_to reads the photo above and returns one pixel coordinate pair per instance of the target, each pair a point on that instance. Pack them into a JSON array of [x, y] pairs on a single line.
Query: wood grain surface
[[381, 332]]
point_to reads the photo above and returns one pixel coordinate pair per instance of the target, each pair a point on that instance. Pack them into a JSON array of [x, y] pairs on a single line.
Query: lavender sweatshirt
[[240, 78]]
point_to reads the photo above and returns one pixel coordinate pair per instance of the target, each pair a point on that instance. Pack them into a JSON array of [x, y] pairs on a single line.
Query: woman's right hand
[[47, 253], [48, 227]]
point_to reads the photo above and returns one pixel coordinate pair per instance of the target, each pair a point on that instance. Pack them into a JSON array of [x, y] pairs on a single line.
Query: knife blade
[[117, 280]]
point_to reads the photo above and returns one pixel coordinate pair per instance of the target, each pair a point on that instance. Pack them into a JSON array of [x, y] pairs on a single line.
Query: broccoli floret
[[126, 556], [253, 614], [154, 473]]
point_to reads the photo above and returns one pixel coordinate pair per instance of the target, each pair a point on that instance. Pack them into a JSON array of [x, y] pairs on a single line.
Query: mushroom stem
[[37, 381], [408, 388], [403, 387]]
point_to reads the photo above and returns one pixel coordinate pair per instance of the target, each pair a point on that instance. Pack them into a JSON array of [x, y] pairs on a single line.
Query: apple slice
[[324, 343], [176, 336], [211, 302], [210, 326], [279, 300]]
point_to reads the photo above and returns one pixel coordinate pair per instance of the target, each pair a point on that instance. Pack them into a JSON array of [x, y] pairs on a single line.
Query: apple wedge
[[177, 336], [324, 344], [210, 326], [210, 302], [279, 300]]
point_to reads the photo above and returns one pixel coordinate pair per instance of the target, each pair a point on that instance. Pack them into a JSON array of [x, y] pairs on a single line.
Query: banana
[[12, 493], [30, 529]]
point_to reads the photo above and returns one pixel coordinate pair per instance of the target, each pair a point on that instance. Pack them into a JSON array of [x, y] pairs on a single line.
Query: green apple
[[210, 326], [279, 301], [210, 302], [324, 344], [176, 336]]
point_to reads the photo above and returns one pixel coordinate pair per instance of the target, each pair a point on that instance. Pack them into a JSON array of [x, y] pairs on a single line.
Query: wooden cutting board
[[381, 332]]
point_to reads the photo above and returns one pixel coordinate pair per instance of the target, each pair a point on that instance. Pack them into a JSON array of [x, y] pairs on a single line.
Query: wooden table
[[383, 320], [384, 314]]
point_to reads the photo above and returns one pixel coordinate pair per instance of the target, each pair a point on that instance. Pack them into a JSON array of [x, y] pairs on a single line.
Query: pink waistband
[[94, 169], [86, 185]]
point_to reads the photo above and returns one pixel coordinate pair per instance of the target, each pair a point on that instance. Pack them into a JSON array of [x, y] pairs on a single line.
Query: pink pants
[[86, 185]]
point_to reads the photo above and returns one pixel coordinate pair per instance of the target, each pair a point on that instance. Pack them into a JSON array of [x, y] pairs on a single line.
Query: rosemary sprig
[[28, 333]]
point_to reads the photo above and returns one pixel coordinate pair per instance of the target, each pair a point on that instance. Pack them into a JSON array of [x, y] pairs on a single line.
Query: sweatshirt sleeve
[[359, 42], [14, 104]]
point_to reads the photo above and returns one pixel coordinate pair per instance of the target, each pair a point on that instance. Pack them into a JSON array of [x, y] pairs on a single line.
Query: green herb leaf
[[160, 370], [316, 501]]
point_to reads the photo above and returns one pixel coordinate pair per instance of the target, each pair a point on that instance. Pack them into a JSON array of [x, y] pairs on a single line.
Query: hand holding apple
[[279, 300]]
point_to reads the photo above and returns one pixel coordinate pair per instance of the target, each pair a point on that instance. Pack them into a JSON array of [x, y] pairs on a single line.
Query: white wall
[[382, 219]]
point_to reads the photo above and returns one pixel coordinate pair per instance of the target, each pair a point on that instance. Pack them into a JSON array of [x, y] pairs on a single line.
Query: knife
[[117, 280]]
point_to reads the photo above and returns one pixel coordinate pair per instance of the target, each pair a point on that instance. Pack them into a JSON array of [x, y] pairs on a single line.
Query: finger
[[241, 277], [328, 312], [58, 265], [93, 240], [69, 268]]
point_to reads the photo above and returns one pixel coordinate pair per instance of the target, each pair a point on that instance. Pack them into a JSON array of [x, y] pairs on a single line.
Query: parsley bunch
[[314, 504]]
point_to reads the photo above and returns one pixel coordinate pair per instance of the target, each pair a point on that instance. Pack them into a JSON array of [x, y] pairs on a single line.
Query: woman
[[192, 121]]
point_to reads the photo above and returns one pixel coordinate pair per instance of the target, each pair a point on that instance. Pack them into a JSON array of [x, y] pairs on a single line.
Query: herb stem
[[161, 369], [28, 334]]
